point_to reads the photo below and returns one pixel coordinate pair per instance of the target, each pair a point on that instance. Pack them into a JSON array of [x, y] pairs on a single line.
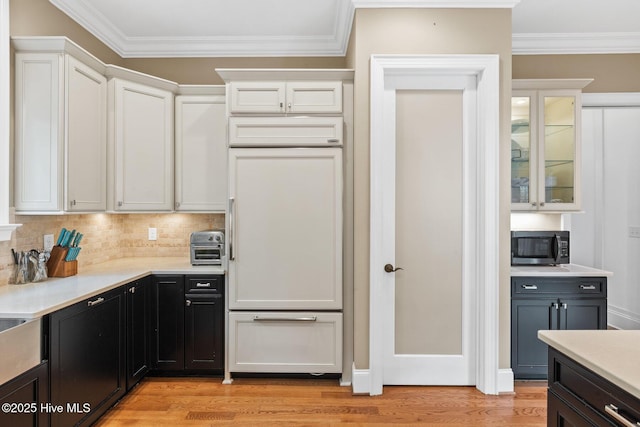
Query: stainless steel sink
[[20, 346]]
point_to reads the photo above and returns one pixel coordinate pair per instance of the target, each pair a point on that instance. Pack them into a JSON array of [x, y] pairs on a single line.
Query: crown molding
[[445, 4], [574, 43], [223, 46]]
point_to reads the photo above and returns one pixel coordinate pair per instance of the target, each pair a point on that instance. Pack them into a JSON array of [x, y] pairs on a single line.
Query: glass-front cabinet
[[545, 144]]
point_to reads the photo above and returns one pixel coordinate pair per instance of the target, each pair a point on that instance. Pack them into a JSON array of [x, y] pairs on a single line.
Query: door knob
[[389, 268]]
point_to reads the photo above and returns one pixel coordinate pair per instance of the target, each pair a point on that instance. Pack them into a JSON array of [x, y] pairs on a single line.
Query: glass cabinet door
[[545, 163], [558, 174], [523, 186]]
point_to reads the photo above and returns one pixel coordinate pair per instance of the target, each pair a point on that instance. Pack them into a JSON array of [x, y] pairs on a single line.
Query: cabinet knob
[[534, 204], [119, 203], [132, 289], [188, 302]]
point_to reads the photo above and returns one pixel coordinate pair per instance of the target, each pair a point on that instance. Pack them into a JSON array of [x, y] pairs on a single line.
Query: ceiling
[[226, 28]]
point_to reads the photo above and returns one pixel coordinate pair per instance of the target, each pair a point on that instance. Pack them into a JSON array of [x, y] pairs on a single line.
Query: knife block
[[57, 266]]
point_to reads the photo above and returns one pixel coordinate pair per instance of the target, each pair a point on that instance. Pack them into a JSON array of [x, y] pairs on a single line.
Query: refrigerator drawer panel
[[285, 131], [285, 342]]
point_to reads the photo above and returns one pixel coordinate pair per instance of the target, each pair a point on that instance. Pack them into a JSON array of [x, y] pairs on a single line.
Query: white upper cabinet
[[291, 97], [201, 153], [545, 145], [140, 147], [60, 133]]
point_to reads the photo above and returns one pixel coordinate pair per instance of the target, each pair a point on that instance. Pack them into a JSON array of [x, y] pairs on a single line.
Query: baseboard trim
[[361, 381], [620, 318], [505, 381]]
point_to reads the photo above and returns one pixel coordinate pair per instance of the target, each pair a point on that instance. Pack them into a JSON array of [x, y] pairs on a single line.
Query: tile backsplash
[[109, 236]]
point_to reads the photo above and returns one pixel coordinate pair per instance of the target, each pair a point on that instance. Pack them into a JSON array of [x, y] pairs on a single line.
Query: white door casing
[[480, 224]]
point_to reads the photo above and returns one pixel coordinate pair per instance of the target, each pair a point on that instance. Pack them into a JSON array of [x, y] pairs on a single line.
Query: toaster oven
[[207, 247]]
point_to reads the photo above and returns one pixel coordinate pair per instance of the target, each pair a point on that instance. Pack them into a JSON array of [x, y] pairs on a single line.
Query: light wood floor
[[274, 402]]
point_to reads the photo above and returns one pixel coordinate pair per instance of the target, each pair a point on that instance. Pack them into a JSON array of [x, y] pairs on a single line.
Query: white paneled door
[[428, 253]]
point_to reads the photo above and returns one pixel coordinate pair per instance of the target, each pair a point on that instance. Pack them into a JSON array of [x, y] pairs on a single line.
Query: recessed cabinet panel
[[314, 97], [292, 196], [285, 131], [39, 132], [270, 97], [201, 153], [86, 124], [142, 145], [60, 135], [257, 97], [294, 342]]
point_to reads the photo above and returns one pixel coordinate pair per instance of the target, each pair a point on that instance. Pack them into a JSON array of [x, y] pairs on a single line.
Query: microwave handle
[[556, 240]]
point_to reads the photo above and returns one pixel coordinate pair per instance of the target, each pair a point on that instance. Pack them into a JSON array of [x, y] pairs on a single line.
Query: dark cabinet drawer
[[196, 284], [585, 287], [590, 393]]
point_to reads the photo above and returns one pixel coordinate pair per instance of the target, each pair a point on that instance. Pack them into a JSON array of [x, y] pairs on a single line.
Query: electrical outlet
[[634, 232], [153, 233], [47, 242]]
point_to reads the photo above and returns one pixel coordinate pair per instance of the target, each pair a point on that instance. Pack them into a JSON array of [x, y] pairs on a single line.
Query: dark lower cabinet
[[579, 397], [87, 358], [26, 397], [204, 334], [188, 324], [547, 303], [138, 302], [167, 328]]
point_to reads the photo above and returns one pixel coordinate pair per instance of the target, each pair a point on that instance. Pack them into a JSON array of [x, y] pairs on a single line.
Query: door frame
[[385, 69]]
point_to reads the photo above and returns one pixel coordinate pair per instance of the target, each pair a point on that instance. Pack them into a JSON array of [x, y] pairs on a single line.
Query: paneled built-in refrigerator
[[284, 233]]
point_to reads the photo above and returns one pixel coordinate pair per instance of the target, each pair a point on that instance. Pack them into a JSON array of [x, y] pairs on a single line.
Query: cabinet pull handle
[[534, 204], [289, 106], [95, 302], [612, 410], [588, 287], [530, 287], [285, 319], [132, 289], [203, 285], [188, 302], [232, 205], [281, 105], [564, 305], [333, 140], [555, 305]]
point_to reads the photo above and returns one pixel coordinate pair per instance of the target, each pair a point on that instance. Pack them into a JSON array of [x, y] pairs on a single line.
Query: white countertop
[[574, 270], [611, 354], [37, 299]]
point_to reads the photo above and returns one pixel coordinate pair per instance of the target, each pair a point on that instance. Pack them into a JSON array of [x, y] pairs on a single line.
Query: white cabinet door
[[256, 97], [293, 97], [141, 141], [285, 131], [201, 153], [285, 228], [60, 135], [38, 132], [86, 125], [314, 97], [298, 342]]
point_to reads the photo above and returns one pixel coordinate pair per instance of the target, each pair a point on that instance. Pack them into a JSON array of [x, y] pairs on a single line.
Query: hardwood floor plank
[[261, 402]]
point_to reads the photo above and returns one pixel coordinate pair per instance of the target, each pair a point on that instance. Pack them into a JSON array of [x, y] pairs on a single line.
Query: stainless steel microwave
[[539, 247]]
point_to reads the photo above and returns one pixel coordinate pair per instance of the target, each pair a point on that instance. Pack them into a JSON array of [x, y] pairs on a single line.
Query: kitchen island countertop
[[34, 300], [612, 354], [562, 270]]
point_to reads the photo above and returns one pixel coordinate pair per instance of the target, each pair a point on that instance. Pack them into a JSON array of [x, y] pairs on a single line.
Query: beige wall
[[611, 73], [423, 31]]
